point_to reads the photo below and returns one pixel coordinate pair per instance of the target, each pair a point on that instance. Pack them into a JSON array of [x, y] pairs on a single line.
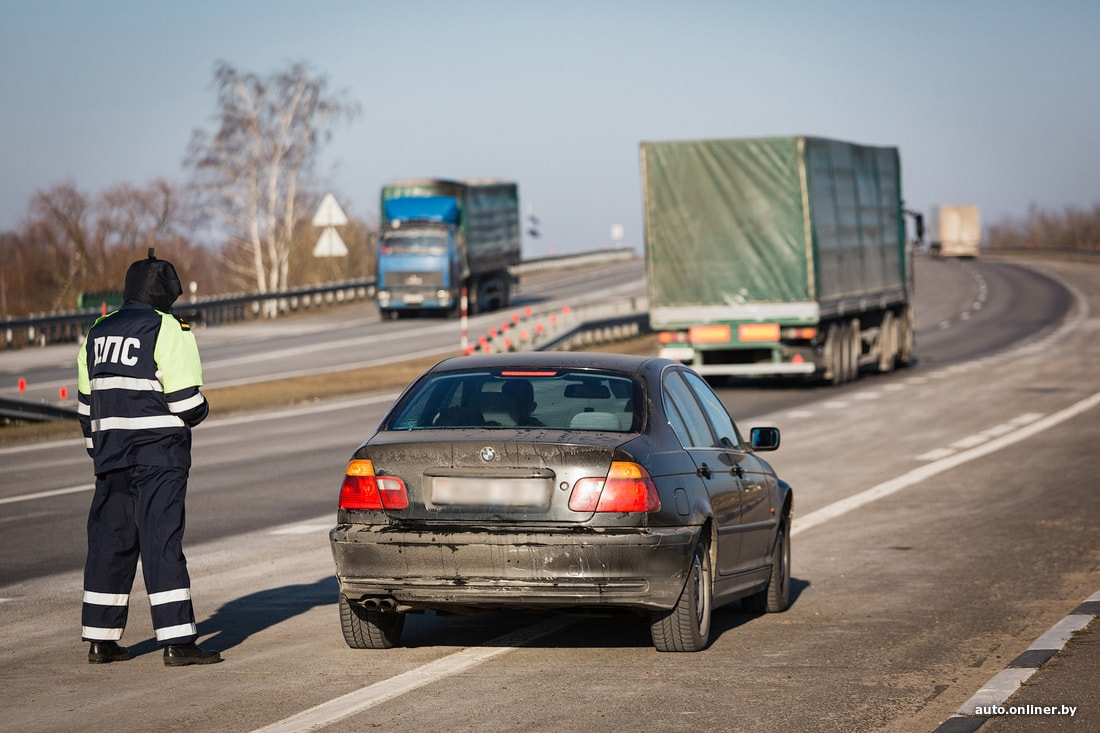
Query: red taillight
[[626, 488], [362, 489]]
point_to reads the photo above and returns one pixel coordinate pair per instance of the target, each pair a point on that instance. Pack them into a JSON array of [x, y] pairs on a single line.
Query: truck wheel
[[887, 343], [845, 341], [906, 344], [832, 355], [855, 341]]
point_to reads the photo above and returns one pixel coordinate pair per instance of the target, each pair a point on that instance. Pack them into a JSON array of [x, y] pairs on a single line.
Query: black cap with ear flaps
[[154, 282]]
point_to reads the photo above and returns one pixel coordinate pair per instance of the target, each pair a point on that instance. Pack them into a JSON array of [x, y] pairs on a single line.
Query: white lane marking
[[925, 472], [220, 422], [294, 412], [1005, 683], [1058, 634], [47, 494], [935, 455], [362, 699], [976, 439], [998, 689], [970, 441]]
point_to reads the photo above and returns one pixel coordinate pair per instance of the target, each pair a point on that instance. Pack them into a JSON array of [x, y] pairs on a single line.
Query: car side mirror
[[763, 439]]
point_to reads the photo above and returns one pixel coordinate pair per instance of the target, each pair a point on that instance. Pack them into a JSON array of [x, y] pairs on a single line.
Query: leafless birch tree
[[254, 174]]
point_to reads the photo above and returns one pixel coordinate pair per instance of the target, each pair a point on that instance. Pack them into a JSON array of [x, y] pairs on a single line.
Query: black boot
[[102, 652], [180, 655]]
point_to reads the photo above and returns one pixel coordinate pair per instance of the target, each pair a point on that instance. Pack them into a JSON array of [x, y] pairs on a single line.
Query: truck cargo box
[[956, 231], [792, 231]]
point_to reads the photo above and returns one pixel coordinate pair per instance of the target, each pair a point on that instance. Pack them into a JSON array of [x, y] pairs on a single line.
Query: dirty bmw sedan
[[565, 482]]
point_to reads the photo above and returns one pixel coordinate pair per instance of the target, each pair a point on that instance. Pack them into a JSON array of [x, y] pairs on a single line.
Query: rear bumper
[[697, 360], [640, 569]]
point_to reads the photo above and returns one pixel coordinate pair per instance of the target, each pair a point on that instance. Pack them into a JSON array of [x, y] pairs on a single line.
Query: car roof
[[554, 359]]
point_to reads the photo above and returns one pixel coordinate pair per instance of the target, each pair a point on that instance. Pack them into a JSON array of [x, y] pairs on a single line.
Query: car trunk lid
[[499, 480]]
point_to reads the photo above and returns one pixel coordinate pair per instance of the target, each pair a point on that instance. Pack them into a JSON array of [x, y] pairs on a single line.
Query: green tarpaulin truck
[[779, 256]]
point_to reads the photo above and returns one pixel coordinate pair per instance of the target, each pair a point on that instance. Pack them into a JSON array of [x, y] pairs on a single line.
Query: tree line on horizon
[[1074, 228]]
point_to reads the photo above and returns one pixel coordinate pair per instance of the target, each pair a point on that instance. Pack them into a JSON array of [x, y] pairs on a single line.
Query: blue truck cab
[[419, 265]]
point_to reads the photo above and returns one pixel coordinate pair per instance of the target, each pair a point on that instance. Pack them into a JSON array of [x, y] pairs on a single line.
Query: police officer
[[138, 381]]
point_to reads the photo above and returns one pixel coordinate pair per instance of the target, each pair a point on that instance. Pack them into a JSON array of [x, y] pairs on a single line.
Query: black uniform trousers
[[138, 512]]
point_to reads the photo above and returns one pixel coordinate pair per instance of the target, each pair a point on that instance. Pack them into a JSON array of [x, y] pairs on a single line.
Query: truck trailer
[[956, 231], [781, 257], [440, 237]]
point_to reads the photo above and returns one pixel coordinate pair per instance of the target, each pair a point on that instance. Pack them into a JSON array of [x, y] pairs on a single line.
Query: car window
[[563, 399], [720, 419], [686, 417]]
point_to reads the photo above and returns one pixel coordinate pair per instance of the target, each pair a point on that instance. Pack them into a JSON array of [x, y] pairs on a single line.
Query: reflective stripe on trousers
[[138, 512]]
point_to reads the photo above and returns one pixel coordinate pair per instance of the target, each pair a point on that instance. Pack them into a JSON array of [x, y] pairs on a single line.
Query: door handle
[[703, 470], [737, 471]]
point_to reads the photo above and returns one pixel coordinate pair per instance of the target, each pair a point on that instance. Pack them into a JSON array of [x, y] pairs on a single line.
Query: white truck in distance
[[956, 231]]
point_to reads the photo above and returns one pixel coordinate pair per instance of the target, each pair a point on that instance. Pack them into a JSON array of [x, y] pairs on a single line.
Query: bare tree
[[72, 243], [254, 172]]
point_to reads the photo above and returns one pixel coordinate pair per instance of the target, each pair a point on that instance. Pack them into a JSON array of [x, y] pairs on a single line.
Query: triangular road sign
[[329, 213], [330, 245]]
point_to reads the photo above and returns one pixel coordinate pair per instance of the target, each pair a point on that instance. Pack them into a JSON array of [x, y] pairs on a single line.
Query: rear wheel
[[845, 356], [686, 628], [855, 350], [776, 596], [834, 372], [887, 343], [906, 346], [366, 629]]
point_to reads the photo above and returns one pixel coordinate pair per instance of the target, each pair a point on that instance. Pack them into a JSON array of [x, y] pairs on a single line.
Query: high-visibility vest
[[138, 384]]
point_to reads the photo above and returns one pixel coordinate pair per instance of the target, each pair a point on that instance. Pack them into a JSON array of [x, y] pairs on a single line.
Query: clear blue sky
[[994, 103]]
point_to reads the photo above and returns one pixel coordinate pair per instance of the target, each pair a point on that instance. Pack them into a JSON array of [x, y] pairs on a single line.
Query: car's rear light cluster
[[362, 489], [626, 488]]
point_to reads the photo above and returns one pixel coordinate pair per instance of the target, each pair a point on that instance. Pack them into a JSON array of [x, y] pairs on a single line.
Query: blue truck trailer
[[779, 257], [439, 237]]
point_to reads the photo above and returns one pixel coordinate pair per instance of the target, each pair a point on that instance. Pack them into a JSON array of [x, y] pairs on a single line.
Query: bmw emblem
[[488, 454]]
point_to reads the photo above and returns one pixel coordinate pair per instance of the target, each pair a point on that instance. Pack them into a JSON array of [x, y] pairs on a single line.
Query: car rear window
[[560, 399]]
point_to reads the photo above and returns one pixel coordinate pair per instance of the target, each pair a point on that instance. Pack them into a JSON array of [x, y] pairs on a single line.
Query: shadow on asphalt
[[241, 618]]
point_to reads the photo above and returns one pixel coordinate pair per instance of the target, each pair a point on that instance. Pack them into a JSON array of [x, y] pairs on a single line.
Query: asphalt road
[[945, 519]]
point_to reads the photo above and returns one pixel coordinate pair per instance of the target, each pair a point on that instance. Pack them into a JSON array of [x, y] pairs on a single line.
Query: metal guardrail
[[11, 409], [68, 326], [567, 328], [563, 330]]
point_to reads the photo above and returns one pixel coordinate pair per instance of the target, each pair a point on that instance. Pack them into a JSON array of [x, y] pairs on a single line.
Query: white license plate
[[468, 491]]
